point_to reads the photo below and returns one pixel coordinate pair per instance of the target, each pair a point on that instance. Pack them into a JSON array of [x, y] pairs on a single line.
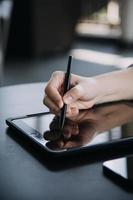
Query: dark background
[[42, 35]]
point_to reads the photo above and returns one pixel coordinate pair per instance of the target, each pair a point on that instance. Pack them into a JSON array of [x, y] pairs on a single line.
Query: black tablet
[[102, 126]]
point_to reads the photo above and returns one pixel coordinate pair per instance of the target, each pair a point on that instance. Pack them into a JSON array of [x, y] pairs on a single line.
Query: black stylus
[[66, 88]]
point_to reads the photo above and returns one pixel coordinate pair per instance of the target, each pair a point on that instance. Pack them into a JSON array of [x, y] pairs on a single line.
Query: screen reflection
[[93, 126]]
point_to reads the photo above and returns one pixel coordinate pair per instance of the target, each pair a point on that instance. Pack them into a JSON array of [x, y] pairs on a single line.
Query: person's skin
[[88, 91]]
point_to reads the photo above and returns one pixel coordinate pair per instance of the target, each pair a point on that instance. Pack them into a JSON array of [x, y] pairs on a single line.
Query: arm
[[115, 86], [88, 91]]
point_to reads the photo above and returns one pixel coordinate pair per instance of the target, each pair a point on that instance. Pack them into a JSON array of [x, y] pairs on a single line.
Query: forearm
[[115, 86]]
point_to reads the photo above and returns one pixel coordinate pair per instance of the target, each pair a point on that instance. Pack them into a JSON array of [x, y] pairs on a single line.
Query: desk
[[28, 174]]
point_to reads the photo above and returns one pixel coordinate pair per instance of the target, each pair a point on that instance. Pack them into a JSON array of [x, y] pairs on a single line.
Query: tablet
[[102, 126]]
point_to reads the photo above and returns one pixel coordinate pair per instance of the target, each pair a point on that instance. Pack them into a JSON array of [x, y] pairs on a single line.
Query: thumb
[[73, 94]]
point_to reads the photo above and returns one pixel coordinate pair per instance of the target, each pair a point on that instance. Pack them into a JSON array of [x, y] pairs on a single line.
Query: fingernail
[[68, 99]]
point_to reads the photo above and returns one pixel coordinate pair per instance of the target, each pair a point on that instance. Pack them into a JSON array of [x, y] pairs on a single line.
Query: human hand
[[82, 95]]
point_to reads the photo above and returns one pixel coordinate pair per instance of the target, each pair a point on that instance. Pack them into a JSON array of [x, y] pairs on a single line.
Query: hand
[[82, 95], [85, 92]]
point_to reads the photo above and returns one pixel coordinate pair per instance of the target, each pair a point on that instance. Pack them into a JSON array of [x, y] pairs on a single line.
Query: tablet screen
[[101, 124]]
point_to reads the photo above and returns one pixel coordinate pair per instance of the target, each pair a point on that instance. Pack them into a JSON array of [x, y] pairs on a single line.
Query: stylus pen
[[66, 88]]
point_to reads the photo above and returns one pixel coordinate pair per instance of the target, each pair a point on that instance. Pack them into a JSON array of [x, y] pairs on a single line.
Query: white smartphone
[[120, 170]]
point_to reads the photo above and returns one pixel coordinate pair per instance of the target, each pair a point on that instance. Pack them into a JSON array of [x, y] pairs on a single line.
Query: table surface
[[28, 173]]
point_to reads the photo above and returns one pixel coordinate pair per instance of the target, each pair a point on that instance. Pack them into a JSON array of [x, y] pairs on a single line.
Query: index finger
[[53, 88]]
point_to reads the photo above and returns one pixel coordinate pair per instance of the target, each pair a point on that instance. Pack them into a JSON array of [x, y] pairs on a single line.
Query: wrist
[[115, 86], [108, 88]]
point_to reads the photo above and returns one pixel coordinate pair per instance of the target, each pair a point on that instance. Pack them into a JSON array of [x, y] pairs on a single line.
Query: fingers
[[73, 94], [53, 89], [53, 95], [76, 98], [72, 111], [70, 129], [50, 104], [53, 98], [55, 85]]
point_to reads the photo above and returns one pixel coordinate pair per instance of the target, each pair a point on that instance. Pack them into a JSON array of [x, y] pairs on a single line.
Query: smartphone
[[120, 170], [101, 127]]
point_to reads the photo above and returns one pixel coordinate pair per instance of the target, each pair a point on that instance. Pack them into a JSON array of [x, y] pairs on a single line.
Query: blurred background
[[36, 37]]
